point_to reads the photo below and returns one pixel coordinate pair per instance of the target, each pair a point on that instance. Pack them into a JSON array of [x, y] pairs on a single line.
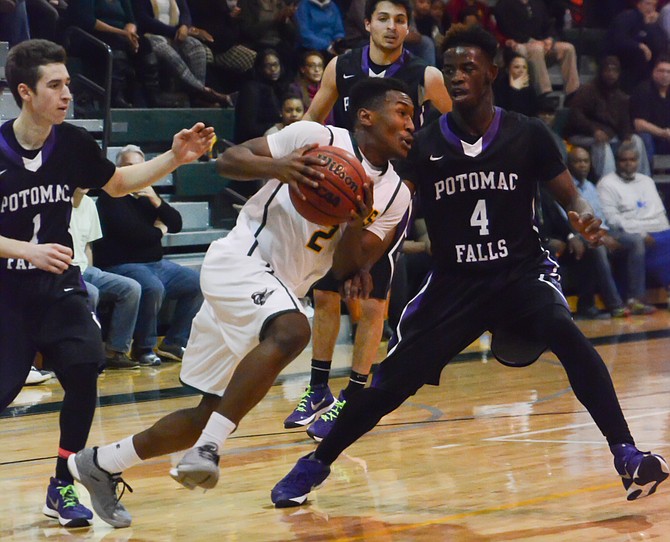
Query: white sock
[[217, 430], [118, 456]]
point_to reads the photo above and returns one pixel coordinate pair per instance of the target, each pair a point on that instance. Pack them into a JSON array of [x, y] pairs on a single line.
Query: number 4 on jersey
[[479, 218]]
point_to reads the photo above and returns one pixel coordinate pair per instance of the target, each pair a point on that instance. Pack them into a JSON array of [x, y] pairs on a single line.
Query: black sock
[[356, 383], [320, 372]]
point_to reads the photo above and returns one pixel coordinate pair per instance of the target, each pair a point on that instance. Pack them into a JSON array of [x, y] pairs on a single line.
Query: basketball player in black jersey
[[476, 171], [384, 56], [43, 298]]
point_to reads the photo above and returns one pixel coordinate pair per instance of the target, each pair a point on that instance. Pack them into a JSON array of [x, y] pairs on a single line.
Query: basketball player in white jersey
[[252, 324]]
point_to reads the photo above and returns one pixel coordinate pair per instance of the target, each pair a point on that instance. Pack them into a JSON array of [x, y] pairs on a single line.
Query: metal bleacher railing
[[82, 38]]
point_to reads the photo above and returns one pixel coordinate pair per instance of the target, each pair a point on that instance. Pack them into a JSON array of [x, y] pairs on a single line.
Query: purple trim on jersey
[[15, 157], [487, 138], [391, 70]]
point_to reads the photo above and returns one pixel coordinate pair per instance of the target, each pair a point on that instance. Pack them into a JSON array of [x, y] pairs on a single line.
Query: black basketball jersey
[[36, 194], [354, 65], [478, 199]]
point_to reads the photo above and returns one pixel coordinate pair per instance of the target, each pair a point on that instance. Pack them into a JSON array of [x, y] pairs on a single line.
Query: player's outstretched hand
[[298, 168], [190, 144], [588, 226], [51, 257], [357, 287]]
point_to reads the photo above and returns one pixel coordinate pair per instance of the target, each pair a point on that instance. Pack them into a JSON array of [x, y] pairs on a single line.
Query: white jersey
[[299, 251]]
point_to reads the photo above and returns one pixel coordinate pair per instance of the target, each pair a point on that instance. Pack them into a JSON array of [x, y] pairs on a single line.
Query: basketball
[[334, 199]]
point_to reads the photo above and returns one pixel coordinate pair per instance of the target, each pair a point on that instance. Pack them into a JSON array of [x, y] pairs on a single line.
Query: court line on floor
[[397, 528]]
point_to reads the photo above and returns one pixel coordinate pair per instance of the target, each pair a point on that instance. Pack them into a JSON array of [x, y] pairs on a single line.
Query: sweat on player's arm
[[187, 145]]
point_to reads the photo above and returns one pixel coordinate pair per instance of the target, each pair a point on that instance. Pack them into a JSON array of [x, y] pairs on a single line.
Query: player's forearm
[[13, 248], [349, 256], [242, 164], [133, 178]]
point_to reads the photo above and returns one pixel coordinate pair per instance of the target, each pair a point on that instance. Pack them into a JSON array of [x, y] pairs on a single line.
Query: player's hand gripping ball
[[333, 200]]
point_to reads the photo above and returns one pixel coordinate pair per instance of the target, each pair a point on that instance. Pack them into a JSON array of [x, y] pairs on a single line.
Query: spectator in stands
[[617, 245], [178, 45], [526, 28], [113, 22], [222, 20], [356, 34], [320, 27], [122, 293], [635, 36], [630, 201], [512, 87], [292, 110], [547, 109], [44, 16], [459, 9], [577, 263], [600, 119], [308, 80], [133, 227], [258, 105], [14, 27], [270, 25], [650, 109]]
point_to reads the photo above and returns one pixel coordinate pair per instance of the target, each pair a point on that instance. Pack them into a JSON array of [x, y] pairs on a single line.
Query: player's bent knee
[[289, 332]]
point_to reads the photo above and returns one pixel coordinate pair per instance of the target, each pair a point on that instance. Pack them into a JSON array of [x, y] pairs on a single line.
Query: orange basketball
[[334, 199]]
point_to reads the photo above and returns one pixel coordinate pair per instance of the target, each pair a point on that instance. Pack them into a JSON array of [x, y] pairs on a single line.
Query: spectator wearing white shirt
[[631, 202], [122, 293]]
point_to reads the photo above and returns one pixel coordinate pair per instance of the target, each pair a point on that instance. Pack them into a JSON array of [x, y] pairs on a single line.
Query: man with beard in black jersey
[[42, 295], [476, 171], [387, 21]]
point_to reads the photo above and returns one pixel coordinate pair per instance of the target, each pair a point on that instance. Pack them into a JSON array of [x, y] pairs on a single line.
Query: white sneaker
[[37, 376]]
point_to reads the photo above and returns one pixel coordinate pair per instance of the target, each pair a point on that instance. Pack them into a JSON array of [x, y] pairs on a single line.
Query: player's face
[[393, 125], [51, 97], [468, 75], [312, 70], [579, 163], [292, 111], [626, 164], [388, 27]]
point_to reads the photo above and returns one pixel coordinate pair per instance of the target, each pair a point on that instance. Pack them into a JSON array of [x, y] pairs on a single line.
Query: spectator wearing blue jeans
[[121, 294], [133, 227], [630, 201], [617, 244]]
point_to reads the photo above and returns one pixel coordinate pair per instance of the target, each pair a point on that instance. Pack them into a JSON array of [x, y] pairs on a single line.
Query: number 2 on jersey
[[479, 218], [320, 234]]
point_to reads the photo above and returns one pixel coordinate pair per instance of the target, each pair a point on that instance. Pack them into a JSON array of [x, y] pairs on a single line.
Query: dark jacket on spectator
[[129, 234], [147, 23], [594, 106], [522, 22]]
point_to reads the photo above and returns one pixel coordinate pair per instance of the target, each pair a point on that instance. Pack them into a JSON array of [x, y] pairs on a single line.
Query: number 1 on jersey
[[479, 218], [37, 223]]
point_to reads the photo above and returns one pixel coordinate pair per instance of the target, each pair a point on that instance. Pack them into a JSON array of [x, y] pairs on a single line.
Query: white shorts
[[242, 296]]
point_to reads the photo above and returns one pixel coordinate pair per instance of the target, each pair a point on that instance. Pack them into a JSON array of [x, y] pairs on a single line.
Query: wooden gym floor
[[494, 454]]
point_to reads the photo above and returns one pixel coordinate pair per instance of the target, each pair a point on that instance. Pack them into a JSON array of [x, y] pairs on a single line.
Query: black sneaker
[[120, 360], [172, 352]]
